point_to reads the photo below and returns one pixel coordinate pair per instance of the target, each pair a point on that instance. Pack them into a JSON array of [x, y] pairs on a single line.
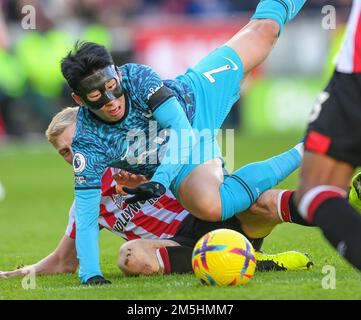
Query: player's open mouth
[[116, 111]]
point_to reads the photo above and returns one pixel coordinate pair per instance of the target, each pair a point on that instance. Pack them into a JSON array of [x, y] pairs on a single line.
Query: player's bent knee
[[204, 206], [135, 261], [126, 258], [209, 211]]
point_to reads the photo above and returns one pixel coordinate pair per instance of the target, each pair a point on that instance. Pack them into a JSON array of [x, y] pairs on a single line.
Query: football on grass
[[224, 257]]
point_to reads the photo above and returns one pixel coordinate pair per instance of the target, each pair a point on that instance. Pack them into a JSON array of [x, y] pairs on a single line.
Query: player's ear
[[77, 99]]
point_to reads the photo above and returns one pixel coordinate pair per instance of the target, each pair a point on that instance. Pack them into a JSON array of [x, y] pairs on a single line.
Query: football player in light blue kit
[[114, 128]]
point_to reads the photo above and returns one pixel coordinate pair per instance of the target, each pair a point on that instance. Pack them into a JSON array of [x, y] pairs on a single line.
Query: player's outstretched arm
[[255, 41], [61, 260], [87, 232], [88, 169]]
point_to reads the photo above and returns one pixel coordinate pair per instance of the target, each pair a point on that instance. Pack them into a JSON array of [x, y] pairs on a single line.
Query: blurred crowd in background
[[167, 34]]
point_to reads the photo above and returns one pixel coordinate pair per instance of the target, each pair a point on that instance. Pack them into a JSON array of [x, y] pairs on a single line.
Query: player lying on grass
[[161, 232], [118, 103]]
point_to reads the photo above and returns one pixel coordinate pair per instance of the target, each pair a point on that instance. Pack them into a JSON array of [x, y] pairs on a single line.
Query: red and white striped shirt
[[155, 219], [349, 59]]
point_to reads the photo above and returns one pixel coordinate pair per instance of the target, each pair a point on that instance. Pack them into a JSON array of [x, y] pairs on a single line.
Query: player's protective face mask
[[97, 81]]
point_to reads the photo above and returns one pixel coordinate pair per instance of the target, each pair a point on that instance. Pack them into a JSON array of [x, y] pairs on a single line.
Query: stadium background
[[283, 88], [170, 35]]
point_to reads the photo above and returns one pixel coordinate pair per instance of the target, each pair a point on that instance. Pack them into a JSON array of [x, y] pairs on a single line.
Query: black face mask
[[97, 81]]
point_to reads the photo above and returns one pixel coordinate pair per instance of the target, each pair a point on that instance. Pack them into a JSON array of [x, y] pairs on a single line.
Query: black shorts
[[335, 127], [192, 229]]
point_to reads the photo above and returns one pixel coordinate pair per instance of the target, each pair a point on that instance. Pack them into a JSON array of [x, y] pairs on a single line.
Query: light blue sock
[[241, 189], [281, 11]]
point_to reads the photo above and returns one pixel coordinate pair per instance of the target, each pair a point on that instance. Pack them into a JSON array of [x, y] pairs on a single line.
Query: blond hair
[[60, 122]]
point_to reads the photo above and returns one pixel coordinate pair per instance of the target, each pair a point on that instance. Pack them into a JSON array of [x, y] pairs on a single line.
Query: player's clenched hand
[[144, 192], [126, 179]]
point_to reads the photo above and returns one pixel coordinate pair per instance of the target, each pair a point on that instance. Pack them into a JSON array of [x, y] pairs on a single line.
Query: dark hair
[[83, 60]]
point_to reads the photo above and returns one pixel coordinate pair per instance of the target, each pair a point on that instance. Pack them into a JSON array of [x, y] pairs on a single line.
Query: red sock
[[287, 210], [163, 259], [283, 205], [313, 198]]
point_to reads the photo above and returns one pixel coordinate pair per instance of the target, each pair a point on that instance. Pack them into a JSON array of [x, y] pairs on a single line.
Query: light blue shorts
[[215, 81]]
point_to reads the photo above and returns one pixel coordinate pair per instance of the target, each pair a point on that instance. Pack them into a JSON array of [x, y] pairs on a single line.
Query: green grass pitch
[[33, 218]]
